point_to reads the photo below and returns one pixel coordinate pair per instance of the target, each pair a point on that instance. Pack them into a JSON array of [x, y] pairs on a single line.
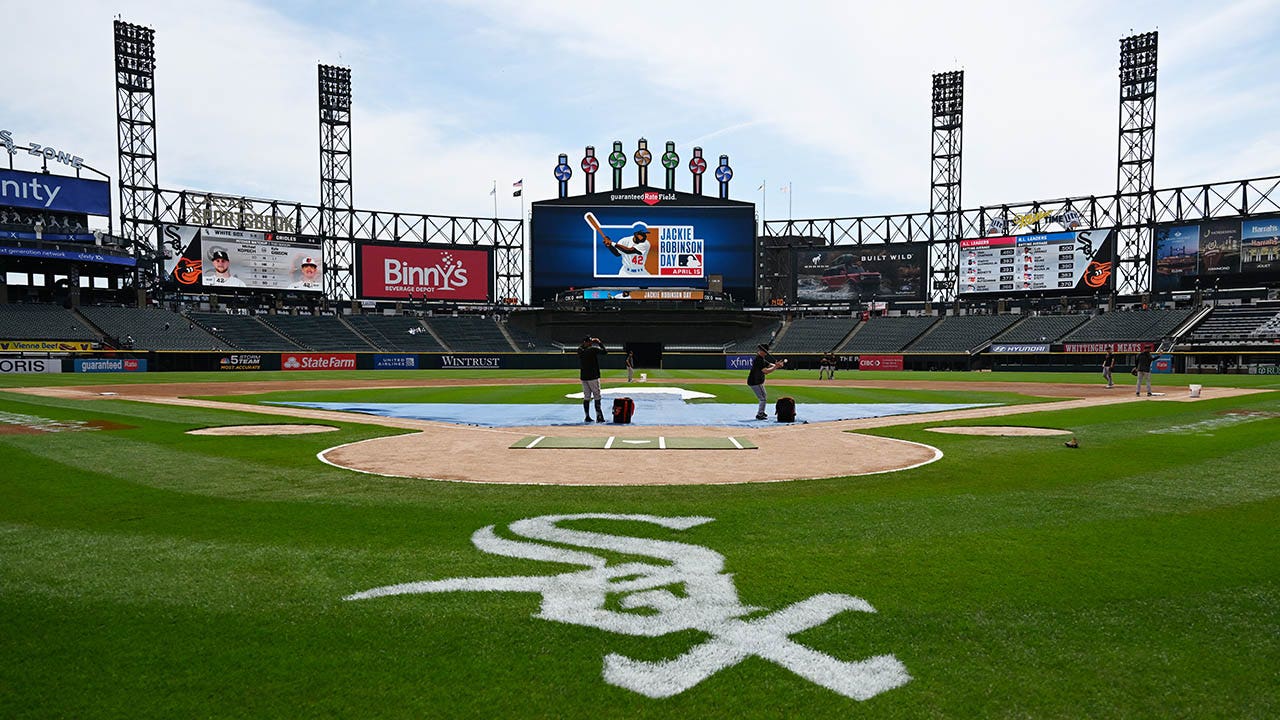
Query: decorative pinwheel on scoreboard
[[589, 167], [643, 157], [724, 174], [697, 166], [671, 161], [563, 172], [617, 161]]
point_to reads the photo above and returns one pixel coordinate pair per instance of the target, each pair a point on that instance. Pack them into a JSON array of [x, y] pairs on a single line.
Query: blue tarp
[[650, 410]]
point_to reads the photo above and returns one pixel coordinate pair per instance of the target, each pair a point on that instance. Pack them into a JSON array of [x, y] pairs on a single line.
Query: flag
[[519, 187], [761, 186], [494, 191], [785, 188]]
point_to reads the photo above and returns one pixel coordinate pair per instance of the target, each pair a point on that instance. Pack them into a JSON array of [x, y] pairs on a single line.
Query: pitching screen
[[204, 259], [843, 274], [1222, 252], [1059, 263], [624, 240], [425, 272]]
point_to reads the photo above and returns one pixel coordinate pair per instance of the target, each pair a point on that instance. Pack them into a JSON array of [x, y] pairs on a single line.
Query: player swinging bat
[[639, 260]]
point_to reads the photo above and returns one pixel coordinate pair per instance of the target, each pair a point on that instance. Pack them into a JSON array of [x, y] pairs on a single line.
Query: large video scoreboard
[[1060, 263]]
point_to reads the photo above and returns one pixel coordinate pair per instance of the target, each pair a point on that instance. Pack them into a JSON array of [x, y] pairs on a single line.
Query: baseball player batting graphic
[[636, 253]]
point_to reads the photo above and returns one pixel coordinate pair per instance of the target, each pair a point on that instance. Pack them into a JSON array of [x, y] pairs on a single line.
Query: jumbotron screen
[[864, 272], [1075, 262], [1228, 253], [204, 259], [642, 238]]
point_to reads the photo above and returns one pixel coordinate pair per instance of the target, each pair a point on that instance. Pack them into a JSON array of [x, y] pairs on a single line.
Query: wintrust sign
[[395, 272], [318, 361]]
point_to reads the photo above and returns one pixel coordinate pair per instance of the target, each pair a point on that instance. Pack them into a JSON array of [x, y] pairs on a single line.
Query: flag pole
[[494, 193], [789, 194], [764, 204]]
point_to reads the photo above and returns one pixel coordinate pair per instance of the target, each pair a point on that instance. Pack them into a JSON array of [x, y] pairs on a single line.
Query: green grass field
[[146, 573]]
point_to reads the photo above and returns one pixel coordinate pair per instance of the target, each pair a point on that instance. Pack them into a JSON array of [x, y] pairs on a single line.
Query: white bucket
[[644, 377], [1195, 391]]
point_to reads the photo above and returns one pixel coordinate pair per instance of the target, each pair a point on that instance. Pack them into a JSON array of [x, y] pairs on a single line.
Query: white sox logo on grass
[[709, 604]]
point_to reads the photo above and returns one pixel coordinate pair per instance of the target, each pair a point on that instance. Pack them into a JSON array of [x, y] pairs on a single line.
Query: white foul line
[[536, 440], [662, 443], [735, 442], [609, 443]]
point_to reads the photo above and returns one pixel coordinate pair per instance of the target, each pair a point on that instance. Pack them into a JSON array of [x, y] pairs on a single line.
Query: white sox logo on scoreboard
[[643, 250]]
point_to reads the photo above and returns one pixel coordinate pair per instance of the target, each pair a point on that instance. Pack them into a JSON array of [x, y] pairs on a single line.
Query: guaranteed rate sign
[[395, 272]]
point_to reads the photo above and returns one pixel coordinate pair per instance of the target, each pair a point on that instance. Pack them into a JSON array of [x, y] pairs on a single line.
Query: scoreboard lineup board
[[1046, 262]]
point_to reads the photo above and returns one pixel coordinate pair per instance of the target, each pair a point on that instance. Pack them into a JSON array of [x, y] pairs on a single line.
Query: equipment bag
[[785, 409], [623, 409]]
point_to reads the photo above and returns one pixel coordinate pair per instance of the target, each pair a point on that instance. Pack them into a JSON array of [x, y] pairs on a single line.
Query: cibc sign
[[879, 362]]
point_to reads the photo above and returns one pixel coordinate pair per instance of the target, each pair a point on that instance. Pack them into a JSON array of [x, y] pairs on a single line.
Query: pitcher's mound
[[1005, 430], [263, 430]]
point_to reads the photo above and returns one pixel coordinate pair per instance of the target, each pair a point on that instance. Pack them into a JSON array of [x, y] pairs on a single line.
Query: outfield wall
[[1233, 362]]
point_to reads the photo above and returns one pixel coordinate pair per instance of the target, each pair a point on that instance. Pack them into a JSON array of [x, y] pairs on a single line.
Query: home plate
[[613, 442]]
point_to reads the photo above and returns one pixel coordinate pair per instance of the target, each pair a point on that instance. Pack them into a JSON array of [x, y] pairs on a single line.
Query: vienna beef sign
[[396, 272]]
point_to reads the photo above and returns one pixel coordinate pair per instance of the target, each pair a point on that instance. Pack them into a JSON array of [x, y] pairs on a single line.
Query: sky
[[828, 99]]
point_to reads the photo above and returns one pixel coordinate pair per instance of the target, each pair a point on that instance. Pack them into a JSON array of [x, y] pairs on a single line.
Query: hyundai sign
[[54, 193]]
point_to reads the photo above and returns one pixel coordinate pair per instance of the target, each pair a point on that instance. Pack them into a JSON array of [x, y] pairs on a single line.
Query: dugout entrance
[[648, 354]]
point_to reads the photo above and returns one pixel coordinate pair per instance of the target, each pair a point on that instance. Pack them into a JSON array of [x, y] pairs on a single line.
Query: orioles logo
[[1097, 274], [188, 271]]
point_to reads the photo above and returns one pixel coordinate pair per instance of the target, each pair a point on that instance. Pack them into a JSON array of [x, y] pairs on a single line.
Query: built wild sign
[[709, 604]]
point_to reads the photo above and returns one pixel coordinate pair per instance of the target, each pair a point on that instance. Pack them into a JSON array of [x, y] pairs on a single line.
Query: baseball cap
[[586, 338], [640, 228], [310, 261], [763, 346], [217, 253]]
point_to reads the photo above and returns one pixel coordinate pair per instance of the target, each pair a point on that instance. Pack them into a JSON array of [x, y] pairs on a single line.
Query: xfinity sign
[[56, 193]]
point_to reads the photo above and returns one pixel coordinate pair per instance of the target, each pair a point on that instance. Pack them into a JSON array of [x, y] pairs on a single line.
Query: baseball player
[[310, 276], [221, 274], [635, 252]]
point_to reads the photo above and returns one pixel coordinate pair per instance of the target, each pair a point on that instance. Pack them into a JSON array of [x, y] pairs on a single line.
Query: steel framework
[[336, 200], [944, 185], [135, 62], [1135, 173]]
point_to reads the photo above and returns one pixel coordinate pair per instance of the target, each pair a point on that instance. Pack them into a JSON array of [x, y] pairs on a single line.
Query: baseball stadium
[[641, 452]]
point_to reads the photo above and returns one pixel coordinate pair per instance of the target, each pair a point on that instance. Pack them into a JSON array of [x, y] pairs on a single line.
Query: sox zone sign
[[710, 605]]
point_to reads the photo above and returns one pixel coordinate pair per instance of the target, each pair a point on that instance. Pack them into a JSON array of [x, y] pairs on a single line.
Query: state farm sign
[[394, 272], [318, 361]]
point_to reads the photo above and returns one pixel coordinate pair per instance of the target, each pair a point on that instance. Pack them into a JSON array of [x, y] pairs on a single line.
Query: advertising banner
[[1103, 347], [1216, 252], [424, 272], [470, 362], [614, 294], [1063, 262], [243, 361], [738, 362], [1015, 349], [30, 365], [395, 362], [110, 365], [1162, 364], [209, 259], [644, 239], [879, 362], [73, 255], [317, 361], [54, 193], [841, 274], [44, 346], [1260, 245]]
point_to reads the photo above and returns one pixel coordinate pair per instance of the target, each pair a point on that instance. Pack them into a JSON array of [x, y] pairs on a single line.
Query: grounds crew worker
[[589, 359]]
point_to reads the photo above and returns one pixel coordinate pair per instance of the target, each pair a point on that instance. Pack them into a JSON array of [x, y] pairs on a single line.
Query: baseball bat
[[594, 223]]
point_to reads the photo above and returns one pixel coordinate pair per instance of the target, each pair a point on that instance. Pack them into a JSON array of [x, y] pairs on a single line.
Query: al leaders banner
[[425, 272]]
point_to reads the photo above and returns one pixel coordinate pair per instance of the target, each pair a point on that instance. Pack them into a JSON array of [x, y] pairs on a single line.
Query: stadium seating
[[398, 333], [323, 332], [962, 333], [29, 321], [1232, 324], [469, 334], [244, 332], [525, 342], [766, 334], [1130, 325], [151, 329], [887, 334], [1041, 329], [814, 335]]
